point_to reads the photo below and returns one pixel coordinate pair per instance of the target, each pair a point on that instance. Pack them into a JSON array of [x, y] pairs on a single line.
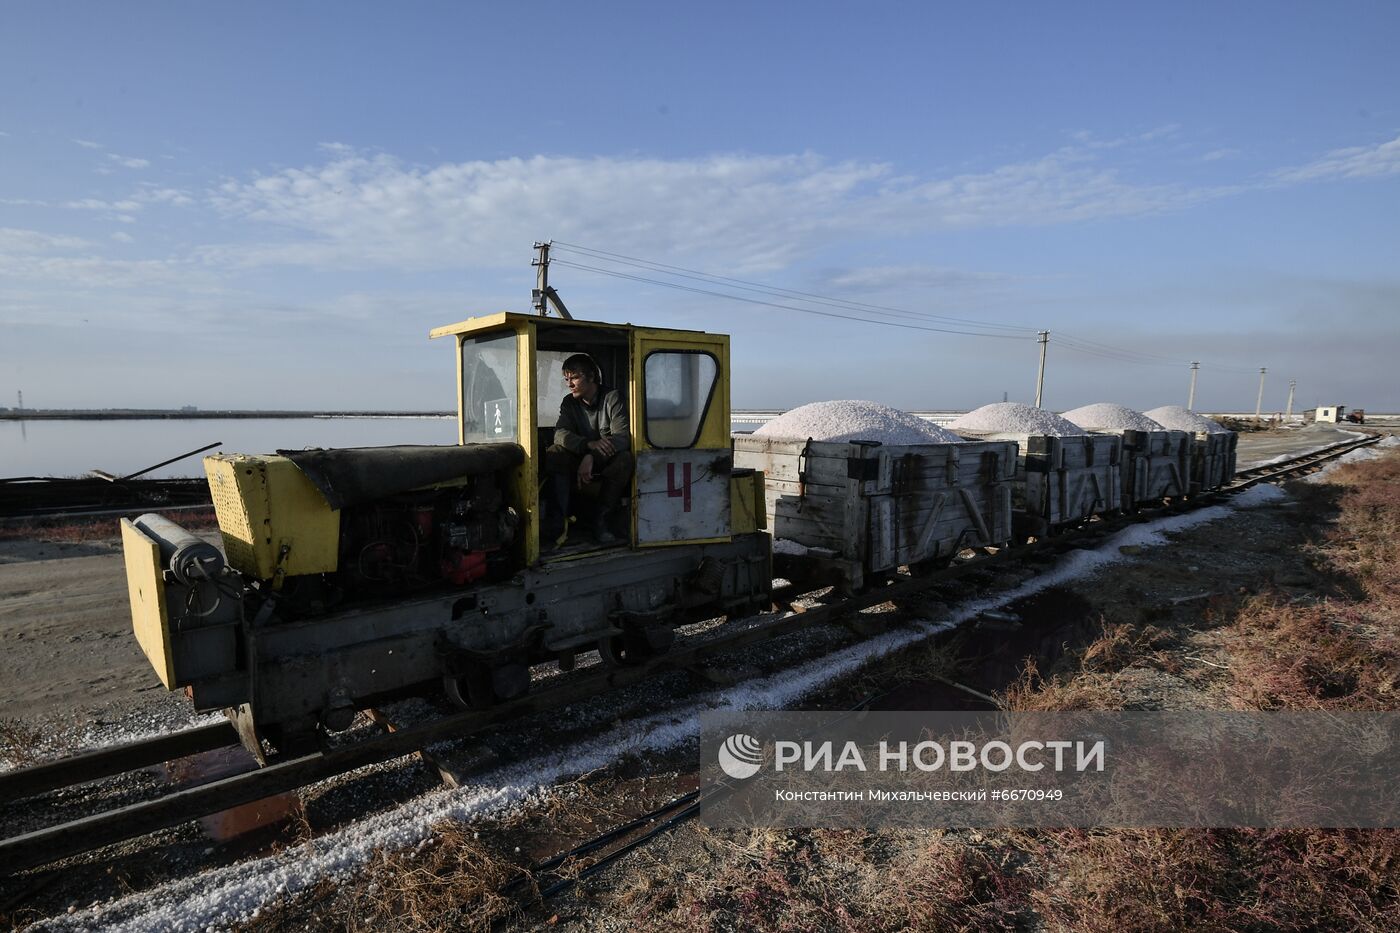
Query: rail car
[[348, 577], [356, 575]]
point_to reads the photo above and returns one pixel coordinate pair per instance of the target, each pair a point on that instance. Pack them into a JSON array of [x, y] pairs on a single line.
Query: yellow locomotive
[[356, 575]]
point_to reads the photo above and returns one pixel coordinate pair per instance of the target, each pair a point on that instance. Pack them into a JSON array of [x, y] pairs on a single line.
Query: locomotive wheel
[[632, 648], [482, 686], [622, 651], [471, 690]]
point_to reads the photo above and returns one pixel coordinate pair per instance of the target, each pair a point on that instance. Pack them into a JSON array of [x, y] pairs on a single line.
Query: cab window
[[490, 389], [678, 386]]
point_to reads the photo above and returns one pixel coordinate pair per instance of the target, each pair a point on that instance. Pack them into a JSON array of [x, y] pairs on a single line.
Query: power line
[[772, 304], [1141, 359], [1065, 340], [745, 285]]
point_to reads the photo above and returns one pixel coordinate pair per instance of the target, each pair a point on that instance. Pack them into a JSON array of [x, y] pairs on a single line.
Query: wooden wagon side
[[1157, 466], [1213, 460], [843, 513]]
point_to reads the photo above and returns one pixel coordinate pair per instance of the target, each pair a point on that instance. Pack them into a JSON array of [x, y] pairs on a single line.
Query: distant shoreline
[[154, 414]]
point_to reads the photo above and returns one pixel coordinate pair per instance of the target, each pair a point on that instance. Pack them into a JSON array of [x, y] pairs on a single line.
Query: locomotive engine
[[410, 542]]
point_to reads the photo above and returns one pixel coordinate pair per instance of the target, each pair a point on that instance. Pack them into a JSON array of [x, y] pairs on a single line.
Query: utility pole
[[1292, 384], [542, 295], [1044, 340], [1191, 396], [541, 264], [21, 400], [1259, 404]]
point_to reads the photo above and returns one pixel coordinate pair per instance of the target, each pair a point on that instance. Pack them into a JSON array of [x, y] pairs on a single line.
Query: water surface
[[71, 448]]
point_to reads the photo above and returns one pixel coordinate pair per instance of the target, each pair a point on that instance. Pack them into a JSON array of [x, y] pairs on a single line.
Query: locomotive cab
[[676, 387]]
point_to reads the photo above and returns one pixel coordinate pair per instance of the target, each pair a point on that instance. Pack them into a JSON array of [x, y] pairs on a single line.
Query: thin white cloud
[[868, 279], [96, 204], [1087, 139], [143, 197], [128, 161], [1063, 187], [1355, 162], [155, 194], [14, 241], [74, 265], [356, 209], [1215, 155], [88, 144], [123, 237], [82, 272]]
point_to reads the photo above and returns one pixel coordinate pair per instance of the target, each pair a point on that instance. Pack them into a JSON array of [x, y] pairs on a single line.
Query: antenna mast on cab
[[542, 294]]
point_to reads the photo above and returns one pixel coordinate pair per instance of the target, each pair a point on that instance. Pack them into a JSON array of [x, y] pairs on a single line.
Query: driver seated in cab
[[589, 466]]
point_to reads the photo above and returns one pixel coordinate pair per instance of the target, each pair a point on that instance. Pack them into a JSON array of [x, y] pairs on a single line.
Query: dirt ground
[[66, 647]]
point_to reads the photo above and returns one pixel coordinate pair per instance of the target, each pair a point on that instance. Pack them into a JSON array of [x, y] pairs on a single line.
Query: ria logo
[[740, 756]]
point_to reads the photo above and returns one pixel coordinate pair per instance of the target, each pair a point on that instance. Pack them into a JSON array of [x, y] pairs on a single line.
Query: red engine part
[[461, 567], [423, 520]]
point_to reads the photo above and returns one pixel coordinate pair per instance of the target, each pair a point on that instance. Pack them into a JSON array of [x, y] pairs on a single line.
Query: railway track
[[90, 833]]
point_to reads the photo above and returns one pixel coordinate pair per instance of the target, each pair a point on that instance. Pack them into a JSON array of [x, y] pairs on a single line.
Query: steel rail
[[93, 832], [107, 762]]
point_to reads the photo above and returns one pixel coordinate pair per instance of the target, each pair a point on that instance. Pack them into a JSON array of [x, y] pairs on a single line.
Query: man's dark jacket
[[606, 417]]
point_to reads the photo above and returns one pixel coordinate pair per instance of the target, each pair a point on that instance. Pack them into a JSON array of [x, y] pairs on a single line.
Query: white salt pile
[[1106, 416], [855, 421], [1176, 418], [1014, 418]]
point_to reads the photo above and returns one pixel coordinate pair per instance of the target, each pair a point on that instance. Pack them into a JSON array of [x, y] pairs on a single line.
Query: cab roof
[[509, 320]]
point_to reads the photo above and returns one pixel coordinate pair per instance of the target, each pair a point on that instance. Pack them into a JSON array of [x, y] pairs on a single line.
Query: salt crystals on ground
[[855, 421], [1014, 418], [1176, 418], [1106, 416]]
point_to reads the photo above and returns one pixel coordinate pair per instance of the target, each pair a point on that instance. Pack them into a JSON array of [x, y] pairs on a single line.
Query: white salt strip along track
[[852, 420], [1176, 418], [234, 894], [1014, 418], [1106, 416]]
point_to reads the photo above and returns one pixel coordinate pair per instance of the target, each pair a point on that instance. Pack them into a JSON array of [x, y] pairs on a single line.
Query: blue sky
[[270, 204]]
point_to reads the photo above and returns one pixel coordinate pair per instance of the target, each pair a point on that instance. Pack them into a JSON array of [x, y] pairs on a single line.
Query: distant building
[[1330, 414], [189, 408]]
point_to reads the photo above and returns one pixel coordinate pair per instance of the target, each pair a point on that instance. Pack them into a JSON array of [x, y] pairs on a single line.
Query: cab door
[[680, 416]]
